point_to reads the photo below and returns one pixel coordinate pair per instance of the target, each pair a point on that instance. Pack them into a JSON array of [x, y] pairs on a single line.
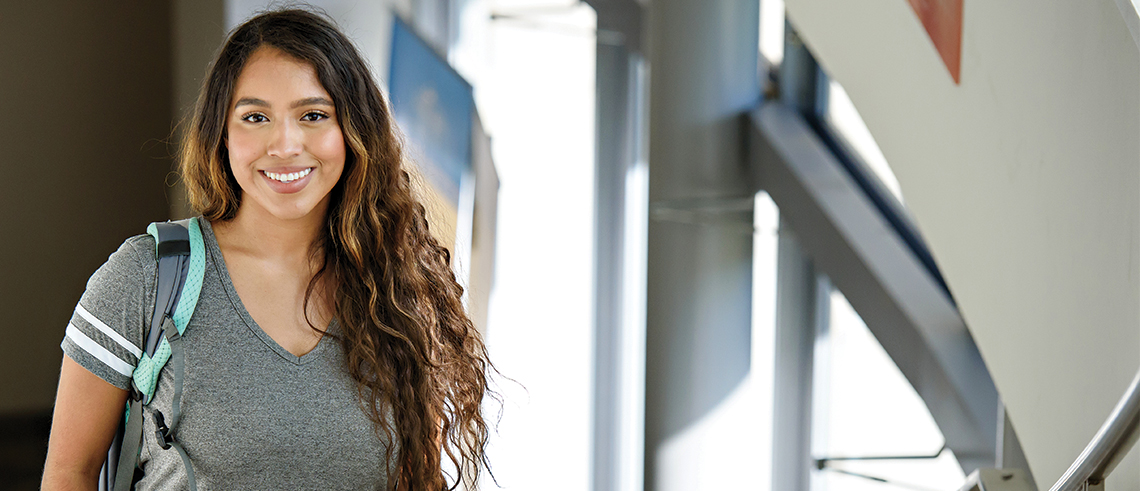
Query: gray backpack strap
[[172, 244], [178, 362], [125, 470], [177, 246]]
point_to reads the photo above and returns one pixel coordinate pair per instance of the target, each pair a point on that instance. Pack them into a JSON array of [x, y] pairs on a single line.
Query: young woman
[[329, 348]]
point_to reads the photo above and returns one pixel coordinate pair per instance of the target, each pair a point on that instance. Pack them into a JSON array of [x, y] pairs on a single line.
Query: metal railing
[[1111, 443]]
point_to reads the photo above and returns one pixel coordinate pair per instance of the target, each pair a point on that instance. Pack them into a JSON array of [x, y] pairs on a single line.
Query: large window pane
[[872, 410]]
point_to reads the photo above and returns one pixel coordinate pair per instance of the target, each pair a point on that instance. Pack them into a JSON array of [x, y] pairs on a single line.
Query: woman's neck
[[255, 232]]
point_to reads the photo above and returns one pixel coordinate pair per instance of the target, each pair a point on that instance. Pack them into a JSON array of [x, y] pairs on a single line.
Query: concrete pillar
[[703, 76]]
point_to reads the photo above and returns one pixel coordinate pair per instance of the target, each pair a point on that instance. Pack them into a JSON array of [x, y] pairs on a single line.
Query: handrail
[[1111, 443]]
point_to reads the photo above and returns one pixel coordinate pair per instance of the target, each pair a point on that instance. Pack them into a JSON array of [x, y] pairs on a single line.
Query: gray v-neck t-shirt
[[253, 415]]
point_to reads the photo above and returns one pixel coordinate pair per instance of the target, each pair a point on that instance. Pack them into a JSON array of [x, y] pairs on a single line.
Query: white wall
[[1025, 182]]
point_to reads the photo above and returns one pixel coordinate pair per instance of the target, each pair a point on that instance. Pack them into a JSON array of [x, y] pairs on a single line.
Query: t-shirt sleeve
[[106, 329]]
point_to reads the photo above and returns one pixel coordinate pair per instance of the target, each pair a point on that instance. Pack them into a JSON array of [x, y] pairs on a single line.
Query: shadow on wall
[[88, 115], [23, 445]]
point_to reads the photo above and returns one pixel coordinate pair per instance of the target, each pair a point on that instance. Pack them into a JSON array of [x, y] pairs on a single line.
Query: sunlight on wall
[[537, 99]]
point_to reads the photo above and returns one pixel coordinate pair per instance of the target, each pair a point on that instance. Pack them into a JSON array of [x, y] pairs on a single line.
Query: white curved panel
[[1025, 181]]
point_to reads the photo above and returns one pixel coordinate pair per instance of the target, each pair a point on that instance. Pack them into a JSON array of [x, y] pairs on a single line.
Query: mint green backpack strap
[[181, 255]]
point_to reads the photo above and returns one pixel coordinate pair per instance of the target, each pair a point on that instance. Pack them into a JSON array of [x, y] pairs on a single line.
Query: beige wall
[[1025, 180], [86, 98], [198, 29]]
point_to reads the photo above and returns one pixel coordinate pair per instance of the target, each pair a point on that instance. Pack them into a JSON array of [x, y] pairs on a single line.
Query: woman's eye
[[314, 116], [254, 118]]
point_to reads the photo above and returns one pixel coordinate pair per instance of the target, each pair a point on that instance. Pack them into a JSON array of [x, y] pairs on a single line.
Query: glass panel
[[872, 410], [845, 120], [765, 239], [772, 31]]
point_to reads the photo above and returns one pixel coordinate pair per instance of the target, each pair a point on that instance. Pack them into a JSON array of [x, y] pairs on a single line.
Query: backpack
[[181, 256]]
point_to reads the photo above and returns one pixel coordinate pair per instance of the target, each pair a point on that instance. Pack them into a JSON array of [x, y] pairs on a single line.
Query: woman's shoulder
[[140, 246], [106, 329], [136, 254]]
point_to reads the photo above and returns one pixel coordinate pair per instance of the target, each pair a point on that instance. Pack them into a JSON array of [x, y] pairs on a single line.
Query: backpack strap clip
[[162, 433]]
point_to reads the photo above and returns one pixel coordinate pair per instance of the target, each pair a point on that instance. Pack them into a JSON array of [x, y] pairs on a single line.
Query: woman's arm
[[87, 414]]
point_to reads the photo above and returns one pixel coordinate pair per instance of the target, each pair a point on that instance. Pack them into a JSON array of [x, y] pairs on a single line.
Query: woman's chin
[[290, 211]]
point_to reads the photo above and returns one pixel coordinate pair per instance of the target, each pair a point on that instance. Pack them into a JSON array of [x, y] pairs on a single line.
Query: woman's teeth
[[290, 177]]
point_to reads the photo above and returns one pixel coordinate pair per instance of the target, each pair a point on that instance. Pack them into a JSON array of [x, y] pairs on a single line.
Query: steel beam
[[907, 311]]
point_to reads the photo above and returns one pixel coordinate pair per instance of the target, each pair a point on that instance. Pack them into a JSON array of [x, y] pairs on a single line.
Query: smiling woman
[[329, 348]]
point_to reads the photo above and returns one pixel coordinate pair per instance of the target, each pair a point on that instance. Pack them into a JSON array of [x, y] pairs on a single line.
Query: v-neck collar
[[219, 260]]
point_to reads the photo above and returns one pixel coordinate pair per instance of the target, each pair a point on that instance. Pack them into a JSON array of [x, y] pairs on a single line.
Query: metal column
[[703, 76], [620, 216]]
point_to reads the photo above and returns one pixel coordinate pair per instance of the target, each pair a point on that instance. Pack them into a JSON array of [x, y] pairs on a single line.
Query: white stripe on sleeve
[[134, 350], [98, 351]]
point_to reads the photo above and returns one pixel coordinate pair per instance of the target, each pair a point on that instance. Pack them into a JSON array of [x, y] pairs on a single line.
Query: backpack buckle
[[162, 433]]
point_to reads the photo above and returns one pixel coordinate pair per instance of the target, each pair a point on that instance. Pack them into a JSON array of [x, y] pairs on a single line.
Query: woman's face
[[285, 145]]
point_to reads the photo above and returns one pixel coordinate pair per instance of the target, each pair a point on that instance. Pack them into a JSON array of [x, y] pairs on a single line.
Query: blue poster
[[432, 105]]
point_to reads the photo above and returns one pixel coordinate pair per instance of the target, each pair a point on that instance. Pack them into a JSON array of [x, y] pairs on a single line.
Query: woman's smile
[[286, 181], [283, 176]]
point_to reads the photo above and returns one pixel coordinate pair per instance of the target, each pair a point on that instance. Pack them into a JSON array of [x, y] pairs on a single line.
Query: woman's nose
[[286, 141]]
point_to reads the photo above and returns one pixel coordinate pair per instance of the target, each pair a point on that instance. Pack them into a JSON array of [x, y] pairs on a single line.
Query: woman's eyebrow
[[312, 101], [251, 101]]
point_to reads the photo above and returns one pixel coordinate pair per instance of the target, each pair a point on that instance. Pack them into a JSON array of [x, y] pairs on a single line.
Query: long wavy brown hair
[[419, 364]]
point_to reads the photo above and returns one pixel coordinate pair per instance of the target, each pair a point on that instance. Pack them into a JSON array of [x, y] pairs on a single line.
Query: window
[[870, 409]]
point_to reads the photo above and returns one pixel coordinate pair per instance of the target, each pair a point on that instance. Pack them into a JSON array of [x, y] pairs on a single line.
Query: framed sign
[[433, 106]]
